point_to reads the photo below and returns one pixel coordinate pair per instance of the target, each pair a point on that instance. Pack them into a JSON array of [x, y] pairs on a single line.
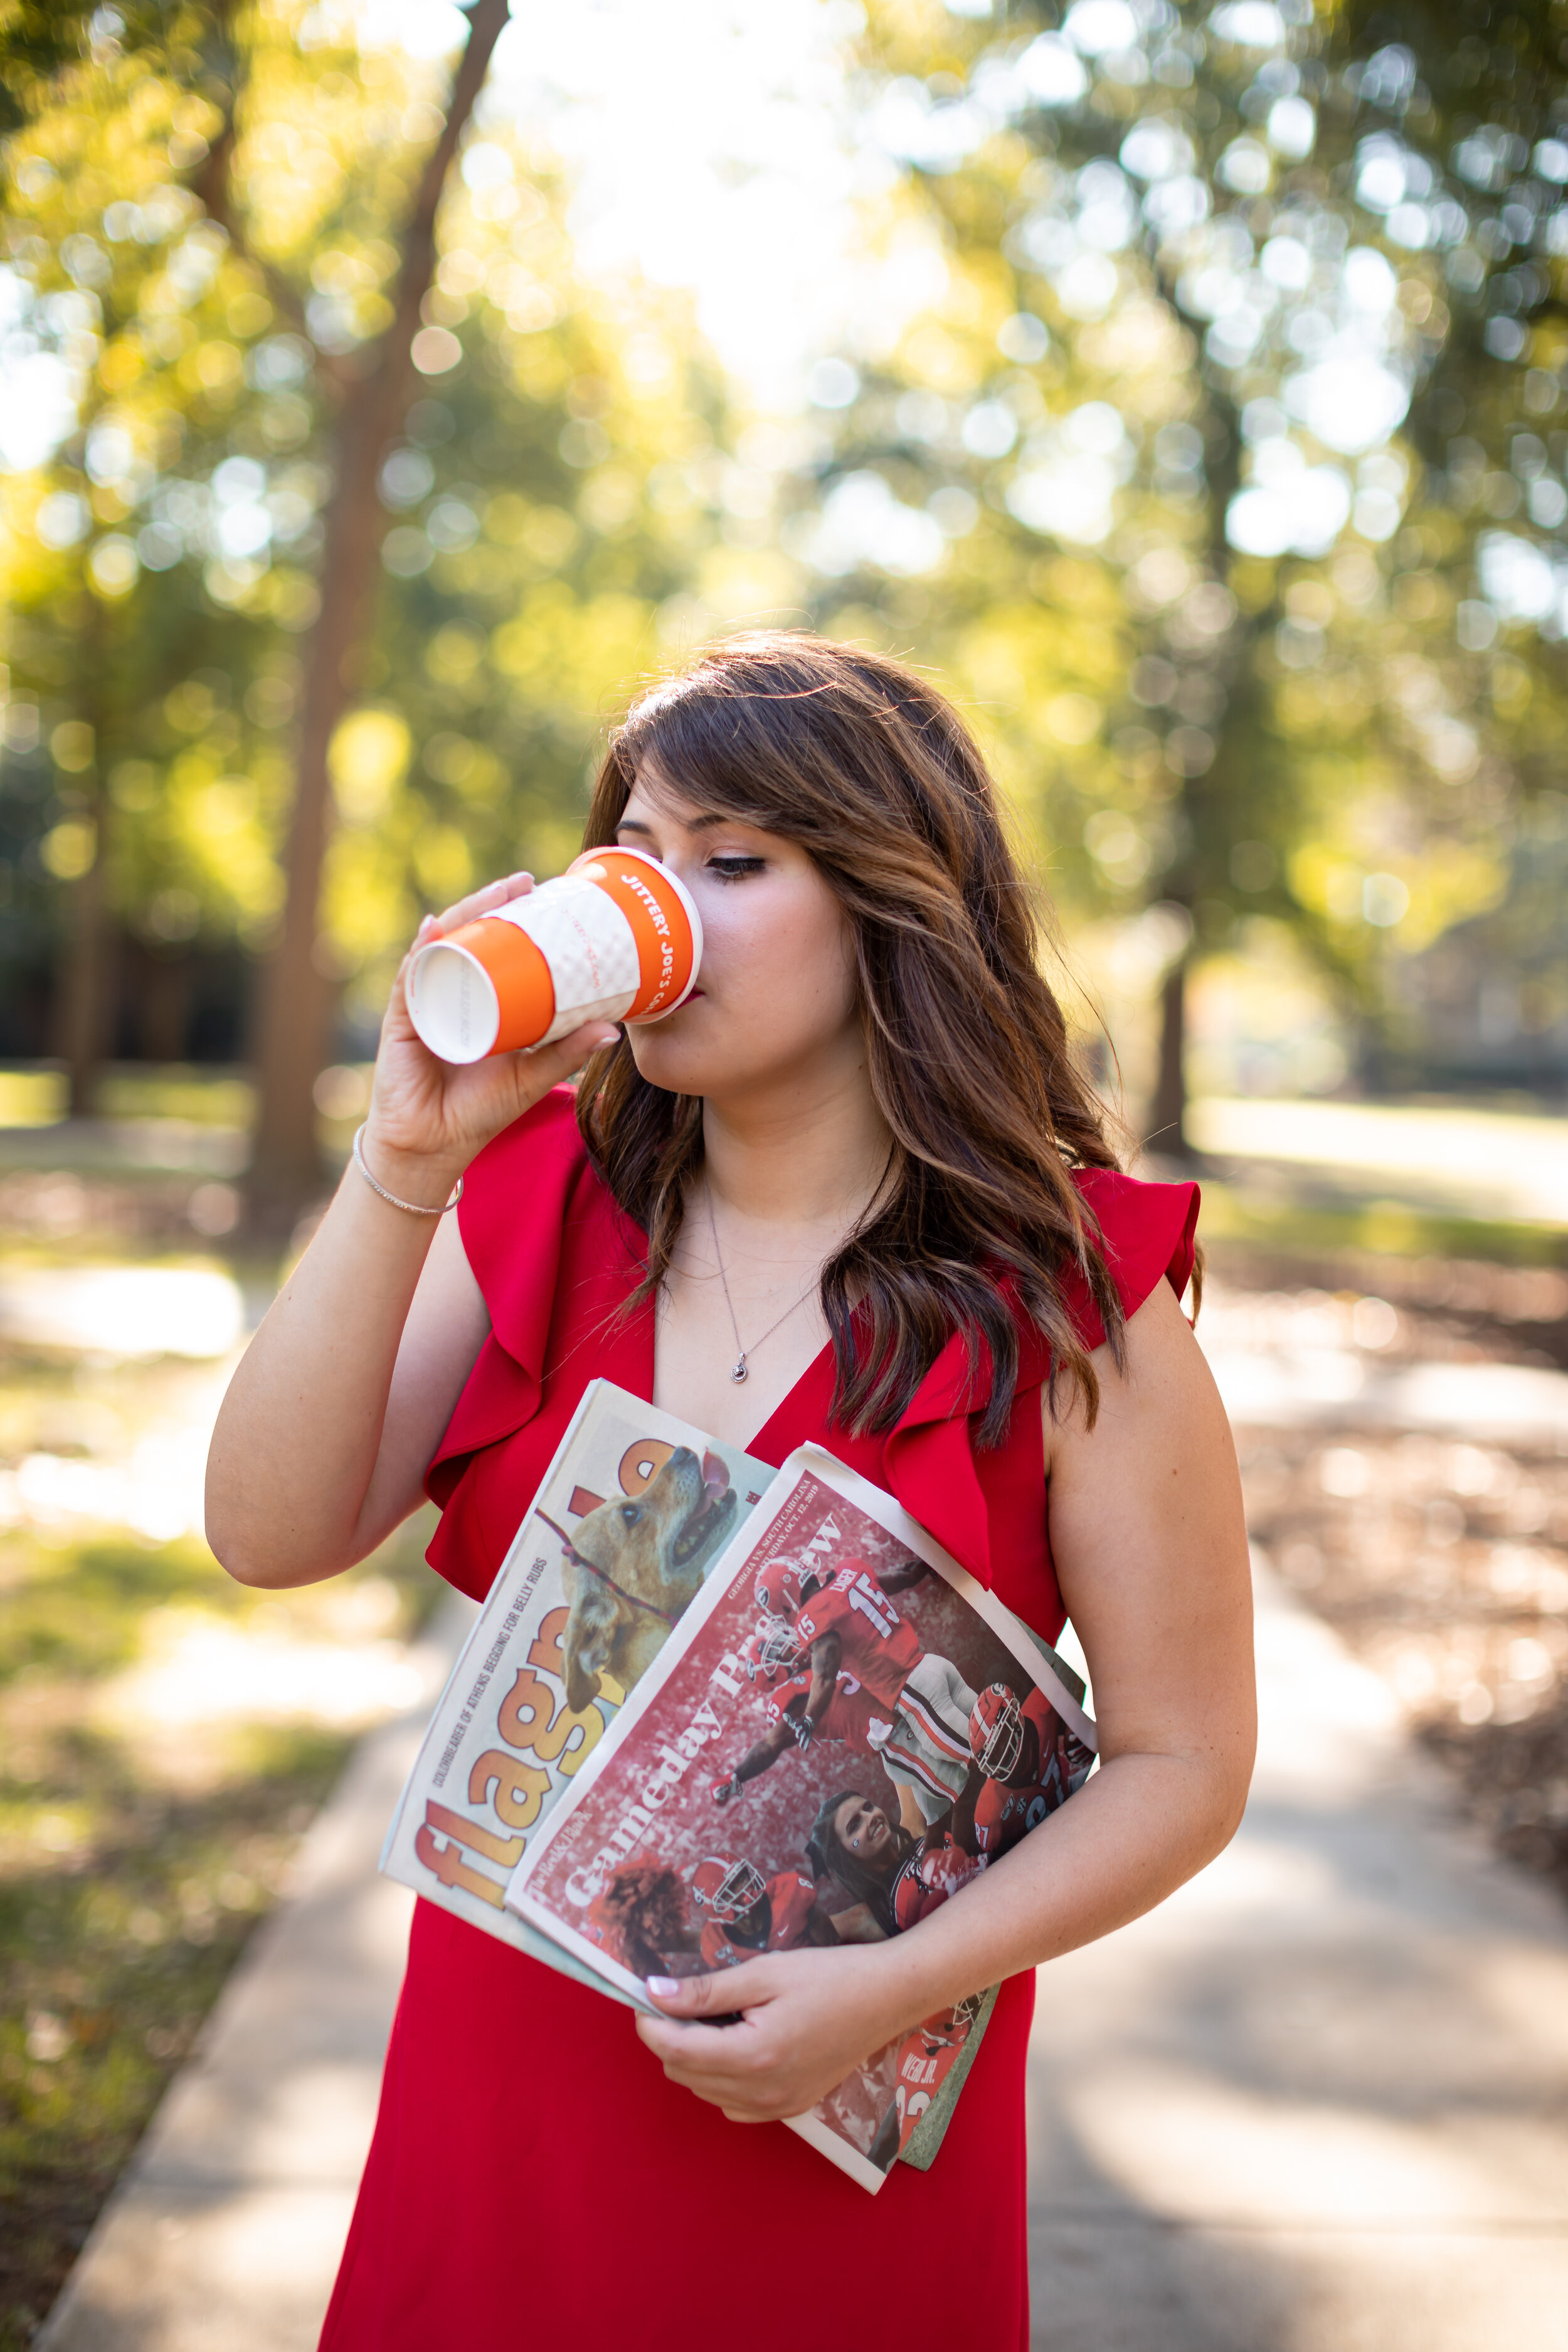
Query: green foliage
[[1235, 402], [84, 1617], [203, 230]]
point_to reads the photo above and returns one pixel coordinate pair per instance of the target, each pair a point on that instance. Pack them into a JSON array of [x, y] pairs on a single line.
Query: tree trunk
[[84, 1023], [86, 1014], [295, 999], [1167, 1134]]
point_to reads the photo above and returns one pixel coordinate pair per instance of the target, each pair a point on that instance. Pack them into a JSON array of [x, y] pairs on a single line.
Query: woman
[[853, 1190], [901, 1878]]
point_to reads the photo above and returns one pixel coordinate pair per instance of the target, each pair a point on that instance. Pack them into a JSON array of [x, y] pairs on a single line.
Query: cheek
[[793, 953]]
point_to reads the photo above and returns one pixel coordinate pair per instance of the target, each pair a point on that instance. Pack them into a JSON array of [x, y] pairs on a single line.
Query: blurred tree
[[1217, 289], [372, 388], [202, 268], [40, 38]]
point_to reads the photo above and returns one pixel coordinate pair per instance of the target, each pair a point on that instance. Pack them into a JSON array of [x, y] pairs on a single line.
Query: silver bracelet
[[415, 1208]]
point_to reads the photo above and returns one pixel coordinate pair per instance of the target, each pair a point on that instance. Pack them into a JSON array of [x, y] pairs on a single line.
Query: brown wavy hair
[[873, 772], [827, 1856]]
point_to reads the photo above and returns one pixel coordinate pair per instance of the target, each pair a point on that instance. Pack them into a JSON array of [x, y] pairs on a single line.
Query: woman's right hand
[[429, 1118]]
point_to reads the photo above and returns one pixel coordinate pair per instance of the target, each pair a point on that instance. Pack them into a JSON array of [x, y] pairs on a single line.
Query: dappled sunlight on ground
[[197, 1669], [165, 1735], [126, 1311]]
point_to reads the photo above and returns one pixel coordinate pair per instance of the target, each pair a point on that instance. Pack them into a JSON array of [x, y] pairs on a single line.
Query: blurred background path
[[1318, 2101]]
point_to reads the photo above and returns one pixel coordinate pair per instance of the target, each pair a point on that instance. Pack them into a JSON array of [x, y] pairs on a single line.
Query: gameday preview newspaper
[[797, 1721]]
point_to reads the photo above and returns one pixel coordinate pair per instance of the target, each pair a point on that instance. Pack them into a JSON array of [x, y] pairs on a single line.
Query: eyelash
[[734, 869]]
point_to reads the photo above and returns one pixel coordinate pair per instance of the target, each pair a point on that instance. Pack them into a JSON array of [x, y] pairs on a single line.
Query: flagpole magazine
[[579, 1606]]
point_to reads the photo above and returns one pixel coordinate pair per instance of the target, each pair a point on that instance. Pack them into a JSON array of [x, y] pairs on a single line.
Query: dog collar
[[635, 1599]]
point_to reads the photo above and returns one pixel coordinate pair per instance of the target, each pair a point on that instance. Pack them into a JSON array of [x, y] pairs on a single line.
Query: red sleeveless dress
[[535, 2179]]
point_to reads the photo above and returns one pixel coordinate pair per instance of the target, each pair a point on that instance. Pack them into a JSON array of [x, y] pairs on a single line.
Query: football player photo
[[744, 1914], [847, 1618], [1031, 1763]]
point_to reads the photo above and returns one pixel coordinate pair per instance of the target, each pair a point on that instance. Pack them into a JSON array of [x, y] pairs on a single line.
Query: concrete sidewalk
[[1317, 2102]]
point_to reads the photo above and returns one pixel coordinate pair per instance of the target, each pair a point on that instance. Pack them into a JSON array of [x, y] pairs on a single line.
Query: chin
[[684, 1064], [675, 1064]]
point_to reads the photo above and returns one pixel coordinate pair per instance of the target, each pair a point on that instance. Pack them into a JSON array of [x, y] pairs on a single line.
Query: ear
[[586, 1644]]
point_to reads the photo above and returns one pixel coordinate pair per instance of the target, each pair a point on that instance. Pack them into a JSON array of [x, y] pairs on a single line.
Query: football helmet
[[997, 1731], [772, 1651], [778, 1591], [727, 1890]]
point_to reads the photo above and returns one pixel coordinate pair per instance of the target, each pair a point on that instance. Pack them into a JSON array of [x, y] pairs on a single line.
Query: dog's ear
[[586, 1641], [581, 1683]]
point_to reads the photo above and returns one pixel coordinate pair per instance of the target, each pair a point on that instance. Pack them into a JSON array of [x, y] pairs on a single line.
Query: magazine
[[841, 1732], [632, 1513]]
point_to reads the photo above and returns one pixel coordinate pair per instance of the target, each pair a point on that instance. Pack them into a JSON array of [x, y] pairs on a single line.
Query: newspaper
[[842, 1730], [633, 1511]]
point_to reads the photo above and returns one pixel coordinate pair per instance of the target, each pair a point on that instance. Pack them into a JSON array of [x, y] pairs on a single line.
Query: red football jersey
[[926, 2058], [1003, 1811], [936, 1869], [790, 1900], [879, 1650], [849, 1714]]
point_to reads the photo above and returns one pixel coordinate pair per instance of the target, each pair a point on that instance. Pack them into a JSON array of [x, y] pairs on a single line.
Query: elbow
[[252, 1548], [244, 1562], [1230, 1785], [236, 1538], [1223, 1821], [244, 1572], [263, 1568]]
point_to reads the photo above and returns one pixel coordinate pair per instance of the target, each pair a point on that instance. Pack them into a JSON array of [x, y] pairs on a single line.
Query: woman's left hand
[[806, 2020]]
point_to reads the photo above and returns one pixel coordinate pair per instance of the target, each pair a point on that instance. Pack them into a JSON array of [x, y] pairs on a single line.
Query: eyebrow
[[702, 823]]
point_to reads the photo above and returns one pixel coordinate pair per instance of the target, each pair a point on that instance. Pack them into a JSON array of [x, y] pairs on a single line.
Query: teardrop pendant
[[738, 1369]]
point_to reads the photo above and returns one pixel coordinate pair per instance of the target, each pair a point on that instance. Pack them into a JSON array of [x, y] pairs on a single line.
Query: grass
[[110, 1956], [36, 1093], [1295, 1223], [133, 1861]]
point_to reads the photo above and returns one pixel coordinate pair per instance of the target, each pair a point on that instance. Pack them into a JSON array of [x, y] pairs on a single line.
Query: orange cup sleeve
[[664, 959], [521, 977]]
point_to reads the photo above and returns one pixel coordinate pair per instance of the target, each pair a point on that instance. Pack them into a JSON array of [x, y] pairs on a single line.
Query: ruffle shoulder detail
[[1146, 1232]]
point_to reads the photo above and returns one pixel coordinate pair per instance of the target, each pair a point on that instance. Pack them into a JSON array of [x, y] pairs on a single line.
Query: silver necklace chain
[[738, 1369]]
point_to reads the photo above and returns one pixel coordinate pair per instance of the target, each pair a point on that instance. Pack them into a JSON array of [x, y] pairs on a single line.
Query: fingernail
[[664, 1988]]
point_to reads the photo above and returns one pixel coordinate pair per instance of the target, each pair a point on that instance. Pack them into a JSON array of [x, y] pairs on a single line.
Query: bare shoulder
[[1149, 1539], [1161, 1393]]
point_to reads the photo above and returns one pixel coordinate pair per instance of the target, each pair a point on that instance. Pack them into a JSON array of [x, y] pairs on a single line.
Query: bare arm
[[827, 1656], [1150, 1547], [754, 1762], [329, 1424]]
